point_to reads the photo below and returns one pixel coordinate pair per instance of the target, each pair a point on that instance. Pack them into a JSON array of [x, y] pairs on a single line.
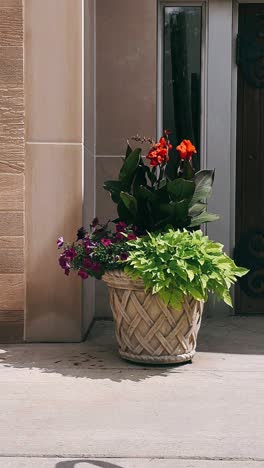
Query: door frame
[[218, 116], [235, 13]]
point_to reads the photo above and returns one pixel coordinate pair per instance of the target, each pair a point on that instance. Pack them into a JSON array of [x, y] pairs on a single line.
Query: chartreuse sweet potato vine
[[178, 263]]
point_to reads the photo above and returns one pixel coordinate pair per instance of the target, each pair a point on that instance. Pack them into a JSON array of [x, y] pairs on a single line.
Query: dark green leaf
[[130, 165], [203, 218], [124, 214], [180, 189], [188, 171], [147, 194], [197, 209], [129, 150], [130, 203], [203, 186]]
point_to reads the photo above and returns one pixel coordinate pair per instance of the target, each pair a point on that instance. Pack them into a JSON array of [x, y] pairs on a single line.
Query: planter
[[146, 330]]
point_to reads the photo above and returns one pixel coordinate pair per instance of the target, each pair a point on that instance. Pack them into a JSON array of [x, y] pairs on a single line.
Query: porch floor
[[71, 405]]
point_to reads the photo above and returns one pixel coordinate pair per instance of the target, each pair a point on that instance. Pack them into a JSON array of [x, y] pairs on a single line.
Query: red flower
[[186, 150], [159, 153]]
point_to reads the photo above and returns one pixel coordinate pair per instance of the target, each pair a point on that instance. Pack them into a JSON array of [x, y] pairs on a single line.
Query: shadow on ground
[[232, 335], [97, 358], [76, 463]]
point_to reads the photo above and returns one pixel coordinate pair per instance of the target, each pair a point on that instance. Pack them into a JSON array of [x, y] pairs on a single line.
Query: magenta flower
[[60, 242], [131, 236], [121, 226], [83, 274], [96, 267], [106, 242], [87, 263], [119, 236], [70, 253]]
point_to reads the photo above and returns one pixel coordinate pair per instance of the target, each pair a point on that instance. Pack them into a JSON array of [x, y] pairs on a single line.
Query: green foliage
[[178, 263], [148, 199]]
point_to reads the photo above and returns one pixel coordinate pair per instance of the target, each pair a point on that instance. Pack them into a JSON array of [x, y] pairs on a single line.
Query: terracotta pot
[[146, 330]]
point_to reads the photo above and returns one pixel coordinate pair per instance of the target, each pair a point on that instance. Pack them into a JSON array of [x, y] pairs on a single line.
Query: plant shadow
[[88, 462], [96, 358]]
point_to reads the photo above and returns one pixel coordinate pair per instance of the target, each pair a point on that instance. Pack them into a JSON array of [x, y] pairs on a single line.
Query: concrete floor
[[79, 405]]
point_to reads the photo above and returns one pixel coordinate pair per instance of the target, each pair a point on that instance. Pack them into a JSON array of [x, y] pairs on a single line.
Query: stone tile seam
[[145, 457], [63, 143]]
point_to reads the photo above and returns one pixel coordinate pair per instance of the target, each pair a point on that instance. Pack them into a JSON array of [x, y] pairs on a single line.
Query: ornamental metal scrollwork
[[250, 253], [250, 50]]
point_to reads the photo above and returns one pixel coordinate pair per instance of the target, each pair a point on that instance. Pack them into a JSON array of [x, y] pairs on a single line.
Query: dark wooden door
[[250, 159]]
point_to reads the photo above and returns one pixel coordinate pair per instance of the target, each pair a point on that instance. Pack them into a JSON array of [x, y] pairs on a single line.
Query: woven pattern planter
[[146, 330]]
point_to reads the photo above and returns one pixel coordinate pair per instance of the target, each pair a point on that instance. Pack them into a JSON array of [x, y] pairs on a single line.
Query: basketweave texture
[[148, 331]]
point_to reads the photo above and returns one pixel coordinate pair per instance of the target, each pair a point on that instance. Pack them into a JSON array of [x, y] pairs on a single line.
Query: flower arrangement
[[97, 251], [156, 236], [148, 197]]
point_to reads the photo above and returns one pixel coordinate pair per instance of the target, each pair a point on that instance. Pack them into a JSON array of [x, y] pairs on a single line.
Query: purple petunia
[[60, 242], [63, 261], [121, 226], [124, 256], [70, 253]]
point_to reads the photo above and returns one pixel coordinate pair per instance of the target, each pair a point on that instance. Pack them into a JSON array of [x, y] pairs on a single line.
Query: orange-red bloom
[[159, 153], [186, 150]]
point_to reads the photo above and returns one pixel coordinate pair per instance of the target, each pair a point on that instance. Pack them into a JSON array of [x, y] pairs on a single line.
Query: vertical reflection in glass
[[182, 75]]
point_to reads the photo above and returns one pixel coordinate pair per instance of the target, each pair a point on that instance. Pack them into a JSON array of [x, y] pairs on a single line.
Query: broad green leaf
[[175, 209], [203, 218], [124, 214], [197, 209], [130, 166], [203, 186], [130, 203], [227, 298], [147, 194], [188, 171], [114, 187], [128, 151], [180, 189]]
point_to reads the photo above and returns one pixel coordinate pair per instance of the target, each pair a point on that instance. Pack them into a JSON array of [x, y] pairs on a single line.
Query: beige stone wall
[[11, 165], [86, 91], [54, 164], [126, 55]]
